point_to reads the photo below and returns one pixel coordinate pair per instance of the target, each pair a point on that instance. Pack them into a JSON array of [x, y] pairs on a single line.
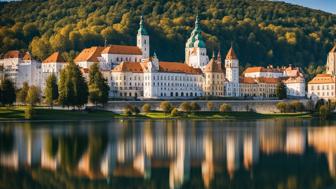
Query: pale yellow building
[[258, 87]]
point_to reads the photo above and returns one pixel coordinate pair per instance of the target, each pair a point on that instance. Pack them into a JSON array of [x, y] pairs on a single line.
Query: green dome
[[142, 30], [196, 38]]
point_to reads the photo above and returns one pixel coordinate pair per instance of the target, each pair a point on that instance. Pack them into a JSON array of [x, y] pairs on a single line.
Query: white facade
[[296, 87]]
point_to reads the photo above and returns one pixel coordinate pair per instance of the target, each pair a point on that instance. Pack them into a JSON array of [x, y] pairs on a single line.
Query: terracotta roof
[[89, 54], [298, 79], [250, 80], [247, 80], [231, 55], [134, 67], [13, 54], [213, 66], [322, 79], [27, 56], [55, 57], [122, 49], [177, 67], [262, 69]]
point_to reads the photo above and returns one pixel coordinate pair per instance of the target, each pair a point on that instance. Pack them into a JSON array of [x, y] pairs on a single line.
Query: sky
[[325, 5]]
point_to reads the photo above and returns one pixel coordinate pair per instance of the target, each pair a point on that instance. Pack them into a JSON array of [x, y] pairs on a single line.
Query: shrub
[[146, 108], [174, 112], [310, 106], [195, 107], [210, 106], [318, 104], [323, 111], [185, 107], [165, 106], [29, 112], [281, 106], [225, 108], [128, 109], [297, 106]]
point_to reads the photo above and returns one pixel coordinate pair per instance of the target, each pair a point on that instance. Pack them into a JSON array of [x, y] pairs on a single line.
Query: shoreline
[[17, 114]]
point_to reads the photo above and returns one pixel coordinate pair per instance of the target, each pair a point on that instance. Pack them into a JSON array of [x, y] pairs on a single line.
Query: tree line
[[263, 32]]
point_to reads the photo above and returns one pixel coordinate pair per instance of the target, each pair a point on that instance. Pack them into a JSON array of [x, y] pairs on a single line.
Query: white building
[[232, 74], [21, 68], [52, 65]]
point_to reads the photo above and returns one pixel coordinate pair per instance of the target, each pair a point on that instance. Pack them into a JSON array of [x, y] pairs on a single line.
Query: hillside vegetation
[[262, 32]]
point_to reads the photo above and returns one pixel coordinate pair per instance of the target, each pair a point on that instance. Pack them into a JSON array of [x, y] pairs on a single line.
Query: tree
[[146, 108], [174, 112], [210, 106], [323, 111], [165, 106], [72, 87], [195, 107], [29, 112], [281, 106], [185, 107], [297, 106], [225, 108], [51, 90], [7, 92], [33, 95], [281, 91], [22, 93], [128, 109], [310, 106], [98, 87]]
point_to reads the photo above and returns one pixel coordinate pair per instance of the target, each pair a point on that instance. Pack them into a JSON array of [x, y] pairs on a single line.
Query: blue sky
[[325, 5]]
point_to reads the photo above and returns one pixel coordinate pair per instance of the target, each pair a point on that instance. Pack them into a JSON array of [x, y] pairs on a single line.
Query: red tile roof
[[55, 57], [122, 49], [262, 69], [172, 67], [213, 66], [323, 79], [27, 56], [250, 80], [89, 54], [231, 55], [177, 67]]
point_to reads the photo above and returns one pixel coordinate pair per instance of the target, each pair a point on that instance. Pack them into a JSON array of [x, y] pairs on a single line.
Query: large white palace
[[132, 73]]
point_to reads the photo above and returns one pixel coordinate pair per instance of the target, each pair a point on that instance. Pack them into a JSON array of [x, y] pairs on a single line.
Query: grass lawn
[[17, 113]]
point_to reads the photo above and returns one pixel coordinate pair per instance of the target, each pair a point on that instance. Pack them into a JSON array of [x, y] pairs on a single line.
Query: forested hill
[[263, 32]]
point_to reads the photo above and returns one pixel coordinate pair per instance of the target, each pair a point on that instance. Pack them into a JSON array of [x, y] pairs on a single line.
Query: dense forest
[[262, 32]]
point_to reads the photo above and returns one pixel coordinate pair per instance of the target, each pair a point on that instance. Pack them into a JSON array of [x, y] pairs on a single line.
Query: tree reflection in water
[[169, 154]]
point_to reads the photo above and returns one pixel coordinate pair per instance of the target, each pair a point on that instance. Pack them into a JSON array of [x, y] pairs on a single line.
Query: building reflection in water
[[134, 149]]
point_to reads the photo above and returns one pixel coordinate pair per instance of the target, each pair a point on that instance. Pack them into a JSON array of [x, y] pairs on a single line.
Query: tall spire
[[231, 55], [142, 30], [213, 54]]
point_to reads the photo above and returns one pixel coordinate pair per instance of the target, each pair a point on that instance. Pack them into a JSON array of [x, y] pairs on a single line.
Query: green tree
[[72, 87], [146, 108], [174, 112], [225, 108], [324, 111], [185, 107], [7, 90], [195, 106], [165, 106], [281, 106], [210, 106], [281, 91], [98, 87], [33, 95], [51, 90], [29, 112], [22, 93]]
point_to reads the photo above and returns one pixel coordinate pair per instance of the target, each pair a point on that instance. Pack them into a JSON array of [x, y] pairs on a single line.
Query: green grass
[[17, 113]]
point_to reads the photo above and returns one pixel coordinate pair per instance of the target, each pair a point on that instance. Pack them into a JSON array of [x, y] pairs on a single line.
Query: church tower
[[143, 39], [195, 50], [232, 66], [331, 62]]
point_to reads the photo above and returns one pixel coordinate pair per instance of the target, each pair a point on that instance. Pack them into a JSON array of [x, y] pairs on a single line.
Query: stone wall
[[260, 106]]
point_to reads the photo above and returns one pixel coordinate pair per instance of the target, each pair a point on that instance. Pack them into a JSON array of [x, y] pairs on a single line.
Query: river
[[138, 153]]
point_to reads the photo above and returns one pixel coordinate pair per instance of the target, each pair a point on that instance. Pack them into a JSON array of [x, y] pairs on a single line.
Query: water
[[275, 154]]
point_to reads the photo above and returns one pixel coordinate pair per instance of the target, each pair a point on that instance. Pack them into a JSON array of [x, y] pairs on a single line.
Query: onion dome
[[196, 39]]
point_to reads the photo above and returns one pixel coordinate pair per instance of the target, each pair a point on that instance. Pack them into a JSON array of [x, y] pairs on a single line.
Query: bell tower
[[143, 39]]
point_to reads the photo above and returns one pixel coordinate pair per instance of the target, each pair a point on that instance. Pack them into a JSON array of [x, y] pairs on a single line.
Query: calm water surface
[[272, 154]]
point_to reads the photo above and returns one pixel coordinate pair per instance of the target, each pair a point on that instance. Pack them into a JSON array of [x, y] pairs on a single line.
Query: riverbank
[[17, 113]]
